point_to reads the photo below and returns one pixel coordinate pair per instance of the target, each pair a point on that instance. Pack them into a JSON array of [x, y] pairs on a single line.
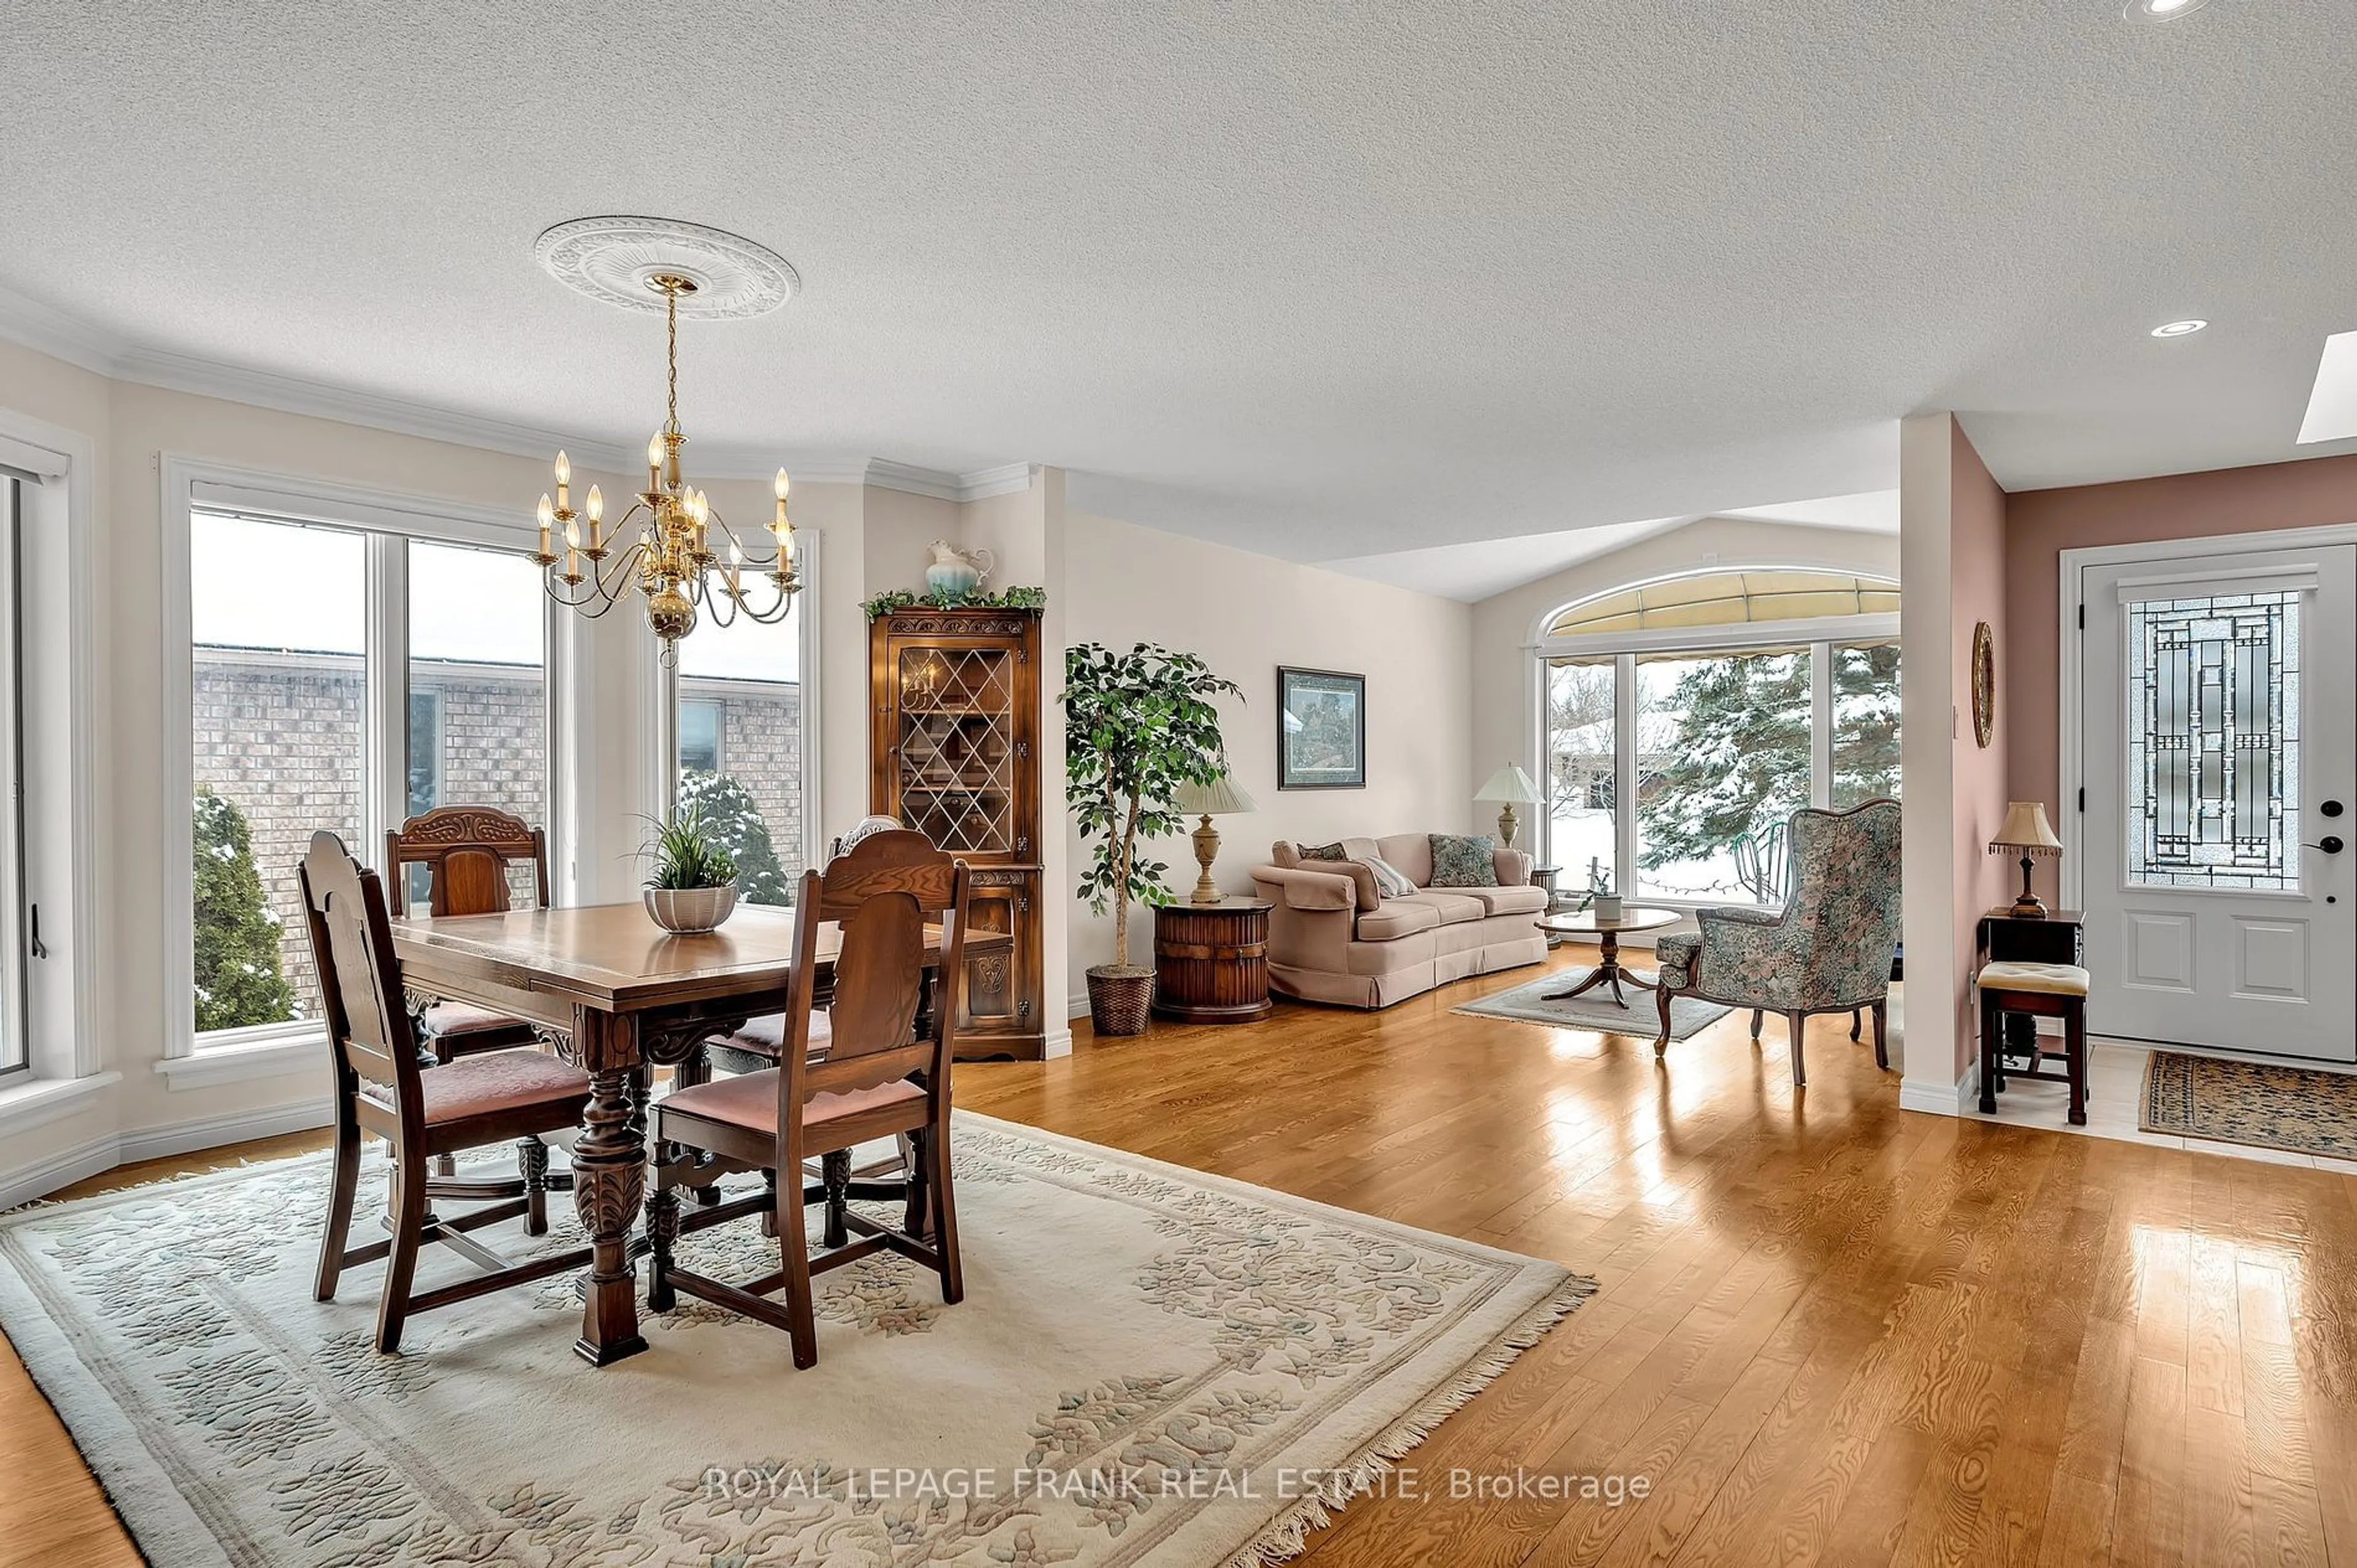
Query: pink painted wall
[[2040, 525], [1977, 591]]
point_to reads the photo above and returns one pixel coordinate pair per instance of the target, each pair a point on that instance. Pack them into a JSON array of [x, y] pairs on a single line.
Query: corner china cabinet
[[956, 756]]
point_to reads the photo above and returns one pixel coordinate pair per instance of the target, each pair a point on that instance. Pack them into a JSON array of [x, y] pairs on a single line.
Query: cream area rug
[[1150, 1365]]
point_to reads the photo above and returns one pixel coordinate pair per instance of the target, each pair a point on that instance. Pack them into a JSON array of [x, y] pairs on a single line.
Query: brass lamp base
[[2028, 906], [1207, 849]]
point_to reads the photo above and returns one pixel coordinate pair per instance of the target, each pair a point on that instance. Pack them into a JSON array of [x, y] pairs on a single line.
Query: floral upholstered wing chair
[[1827, 950]]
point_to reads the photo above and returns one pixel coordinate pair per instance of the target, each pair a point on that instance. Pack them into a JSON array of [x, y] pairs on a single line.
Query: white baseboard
[[212, 1131], [1059, 1043], [66, 1166], [108, 1150], [1076, 1005], [1937, 1099]]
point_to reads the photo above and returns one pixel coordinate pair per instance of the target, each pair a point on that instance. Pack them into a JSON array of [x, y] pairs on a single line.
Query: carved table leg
[[610, 1180]]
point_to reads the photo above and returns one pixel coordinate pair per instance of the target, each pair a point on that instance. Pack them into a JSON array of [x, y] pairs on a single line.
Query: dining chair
[[757, 1044], [385, 1084], [879, 1078], [465, 853]]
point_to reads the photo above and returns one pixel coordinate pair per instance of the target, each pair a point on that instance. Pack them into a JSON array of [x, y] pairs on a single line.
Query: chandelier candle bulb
[[671, 556]]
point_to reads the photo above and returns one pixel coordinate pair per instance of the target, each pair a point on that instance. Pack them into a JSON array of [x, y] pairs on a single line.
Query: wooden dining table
[[612, 992]]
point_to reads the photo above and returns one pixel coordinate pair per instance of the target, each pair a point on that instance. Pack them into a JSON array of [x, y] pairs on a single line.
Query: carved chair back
[[369, 1031], [881, 894], [467, 850]]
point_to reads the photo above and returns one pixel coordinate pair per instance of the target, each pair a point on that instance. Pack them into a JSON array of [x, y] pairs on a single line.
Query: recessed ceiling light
[[2160, 10], [2178, 328]]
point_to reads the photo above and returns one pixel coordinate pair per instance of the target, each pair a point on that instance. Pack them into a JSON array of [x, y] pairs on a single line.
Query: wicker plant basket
[[1119, 997]]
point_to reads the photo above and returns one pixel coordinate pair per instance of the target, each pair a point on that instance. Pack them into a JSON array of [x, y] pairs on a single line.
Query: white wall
[[1505, 690], [131, 426], [1246, 615]]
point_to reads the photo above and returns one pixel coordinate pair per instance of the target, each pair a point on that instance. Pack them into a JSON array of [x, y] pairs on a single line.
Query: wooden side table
[[1211, 961]]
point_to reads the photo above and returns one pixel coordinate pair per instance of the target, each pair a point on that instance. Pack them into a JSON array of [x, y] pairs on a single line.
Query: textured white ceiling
[[1472, 570], [1329, 279]]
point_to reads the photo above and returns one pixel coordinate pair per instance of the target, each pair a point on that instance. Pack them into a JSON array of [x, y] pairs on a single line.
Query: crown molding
[[62, 336], [909, 479], [45, 330]]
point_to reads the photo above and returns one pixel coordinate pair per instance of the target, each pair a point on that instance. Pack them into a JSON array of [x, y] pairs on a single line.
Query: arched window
[[1717, 702]]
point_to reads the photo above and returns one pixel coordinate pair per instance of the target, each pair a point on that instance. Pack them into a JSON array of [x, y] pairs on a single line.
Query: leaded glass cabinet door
[[2219, 749], [957, 696]]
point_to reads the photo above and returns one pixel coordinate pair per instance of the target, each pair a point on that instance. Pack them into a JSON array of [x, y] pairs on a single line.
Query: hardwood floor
[[1828, 1331]]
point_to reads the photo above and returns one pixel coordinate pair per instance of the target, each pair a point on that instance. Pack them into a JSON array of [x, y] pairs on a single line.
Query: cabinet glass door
[[957, 747]]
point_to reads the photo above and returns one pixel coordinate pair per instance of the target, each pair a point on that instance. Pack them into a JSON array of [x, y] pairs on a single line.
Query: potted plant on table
[[1139, 725], [1599, 897], [692, 886]]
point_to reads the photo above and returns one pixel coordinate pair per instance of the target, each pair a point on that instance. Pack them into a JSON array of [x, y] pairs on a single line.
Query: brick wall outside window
[[281, 736]]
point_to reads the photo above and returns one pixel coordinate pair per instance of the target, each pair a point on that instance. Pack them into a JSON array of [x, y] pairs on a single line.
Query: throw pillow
[[1390, 878], [1464, 859], [1322, 852]]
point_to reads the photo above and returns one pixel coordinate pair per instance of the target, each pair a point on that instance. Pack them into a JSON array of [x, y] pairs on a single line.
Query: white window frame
[[389, 519], [1819, 634], [61, 714], [661, 785]]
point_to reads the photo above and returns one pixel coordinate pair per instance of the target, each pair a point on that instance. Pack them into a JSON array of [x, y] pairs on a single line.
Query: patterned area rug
[[2296, 1108], [1597, 1010], [1151, 1365]]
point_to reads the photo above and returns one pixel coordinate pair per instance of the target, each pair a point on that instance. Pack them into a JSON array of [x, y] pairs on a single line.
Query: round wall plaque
[[1983, 683]]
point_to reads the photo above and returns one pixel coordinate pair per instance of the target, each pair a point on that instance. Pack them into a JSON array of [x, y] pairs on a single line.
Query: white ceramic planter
[[691, 911], [1607, 907]]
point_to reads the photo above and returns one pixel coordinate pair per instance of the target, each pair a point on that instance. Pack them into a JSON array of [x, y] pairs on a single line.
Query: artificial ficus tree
[[1137, 726]]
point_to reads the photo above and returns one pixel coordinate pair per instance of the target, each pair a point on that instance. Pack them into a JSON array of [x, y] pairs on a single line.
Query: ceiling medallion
[[616, 259]]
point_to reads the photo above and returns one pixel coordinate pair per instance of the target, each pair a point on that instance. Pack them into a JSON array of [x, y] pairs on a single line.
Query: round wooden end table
[[1607, 934], [1211, 961]]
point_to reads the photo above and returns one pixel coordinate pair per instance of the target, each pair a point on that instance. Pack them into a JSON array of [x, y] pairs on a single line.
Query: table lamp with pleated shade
[[1220, 797], [2027, 832], [1509, 787]]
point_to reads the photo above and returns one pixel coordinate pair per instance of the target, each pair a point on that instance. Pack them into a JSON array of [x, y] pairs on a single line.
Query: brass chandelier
[[671, 561]]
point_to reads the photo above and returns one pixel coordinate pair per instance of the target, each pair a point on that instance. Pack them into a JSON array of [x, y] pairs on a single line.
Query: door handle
[[2329, 843]]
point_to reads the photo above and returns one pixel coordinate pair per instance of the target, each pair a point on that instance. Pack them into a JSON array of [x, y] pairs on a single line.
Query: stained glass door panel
[[957, 747], [2212, 705]]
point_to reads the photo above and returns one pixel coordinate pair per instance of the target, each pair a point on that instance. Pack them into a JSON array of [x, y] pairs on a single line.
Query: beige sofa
[[1333, 937]]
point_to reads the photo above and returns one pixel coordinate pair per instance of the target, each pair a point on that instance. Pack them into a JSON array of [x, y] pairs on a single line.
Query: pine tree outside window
[[1716, 705]]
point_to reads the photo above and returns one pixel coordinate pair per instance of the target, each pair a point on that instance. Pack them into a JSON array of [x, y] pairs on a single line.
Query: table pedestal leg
[[1608, 971], [609, 1184]]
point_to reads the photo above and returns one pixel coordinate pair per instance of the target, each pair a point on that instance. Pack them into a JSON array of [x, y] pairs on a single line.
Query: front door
[[2220, 764]]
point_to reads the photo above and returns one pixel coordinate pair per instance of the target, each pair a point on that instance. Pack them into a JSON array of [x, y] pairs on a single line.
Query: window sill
[[238, 1063], [45, 1100]]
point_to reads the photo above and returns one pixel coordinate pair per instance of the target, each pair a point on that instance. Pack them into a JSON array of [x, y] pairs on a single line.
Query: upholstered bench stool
[[2041, 991]]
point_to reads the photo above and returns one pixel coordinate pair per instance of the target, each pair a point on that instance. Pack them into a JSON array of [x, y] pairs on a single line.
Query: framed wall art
[[1321, 730]]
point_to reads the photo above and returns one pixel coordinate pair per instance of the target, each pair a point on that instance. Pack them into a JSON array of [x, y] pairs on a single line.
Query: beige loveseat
[[1333, 937]]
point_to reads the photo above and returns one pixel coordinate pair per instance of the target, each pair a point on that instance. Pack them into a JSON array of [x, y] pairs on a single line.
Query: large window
[[738, 696], [16, 938], [307, 640], [1715, 705]]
